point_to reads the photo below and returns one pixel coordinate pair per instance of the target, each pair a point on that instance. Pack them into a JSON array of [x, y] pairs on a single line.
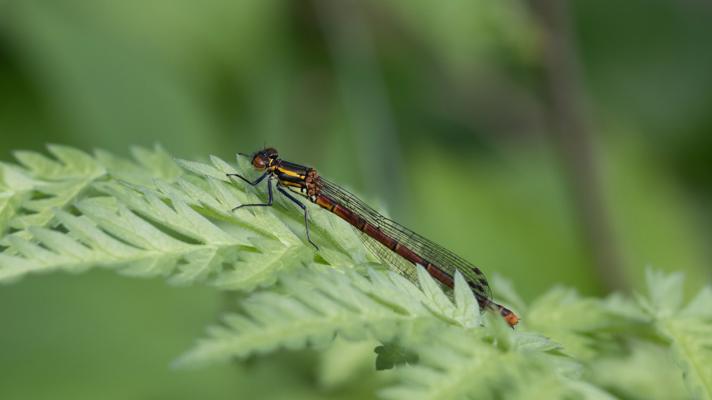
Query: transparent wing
[[399, 264], [388, 257], [432, 252]]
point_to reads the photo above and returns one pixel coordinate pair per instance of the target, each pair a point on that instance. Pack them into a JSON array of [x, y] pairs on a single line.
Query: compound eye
[[259, 161]]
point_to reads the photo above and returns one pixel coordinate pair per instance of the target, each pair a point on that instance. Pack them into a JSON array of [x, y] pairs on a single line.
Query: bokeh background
[[556, 143]]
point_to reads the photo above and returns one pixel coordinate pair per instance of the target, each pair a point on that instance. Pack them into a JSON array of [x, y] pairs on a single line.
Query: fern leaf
[[462, 364], [313, 306], [688, 328], [664, 294], [146, 166], [30, 192], [570, 320], [692, 348], [644, 370], [154, 215], [183, 227], [108, 233]]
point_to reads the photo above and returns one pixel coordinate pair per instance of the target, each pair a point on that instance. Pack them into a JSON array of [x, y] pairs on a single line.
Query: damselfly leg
[[270, 200], [256, 182], [303, 207]]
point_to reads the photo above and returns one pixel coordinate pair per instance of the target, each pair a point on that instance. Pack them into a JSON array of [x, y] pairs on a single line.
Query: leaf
[[692, 349], [664, 293], [152, 164], [204, 170], [158, 161], [467, 307], [391, 354], [461, 364], [311, 308], [700, 306], [432, 290], [153, 216], [141, 231], [644, 370], [344, 363], [688, 328], [570, 320], [42, 184]]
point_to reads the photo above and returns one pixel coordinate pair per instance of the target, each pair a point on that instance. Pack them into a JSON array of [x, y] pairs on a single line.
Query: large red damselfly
[[399, 246]]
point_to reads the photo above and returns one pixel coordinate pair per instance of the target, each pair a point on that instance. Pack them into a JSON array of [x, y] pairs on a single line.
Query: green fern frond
[[579, 324], [29, 192], [154, 215], [644, 370], [570, 320], [311, 307], [463, 364], [180, 226], [688, 328], [692, 348], [146, 166]]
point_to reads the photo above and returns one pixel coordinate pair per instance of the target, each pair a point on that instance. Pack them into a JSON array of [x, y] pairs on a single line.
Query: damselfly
[[401, 247]]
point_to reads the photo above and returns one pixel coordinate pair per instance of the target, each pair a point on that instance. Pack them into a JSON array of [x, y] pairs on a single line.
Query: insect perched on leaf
[[402, 248]]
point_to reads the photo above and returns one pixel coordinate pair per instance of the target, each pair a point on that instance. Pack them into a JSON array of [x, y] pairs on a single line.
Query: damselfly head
[[264, 158]]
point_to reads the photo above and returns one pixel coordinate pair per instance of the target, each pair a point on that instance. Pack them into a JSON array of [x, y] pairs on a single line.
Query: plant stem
[[571, 133]]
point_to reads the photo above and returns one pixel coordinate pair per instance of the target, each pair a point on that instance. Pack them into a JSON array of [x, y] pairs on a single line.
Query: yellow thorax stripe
[[290, 173]]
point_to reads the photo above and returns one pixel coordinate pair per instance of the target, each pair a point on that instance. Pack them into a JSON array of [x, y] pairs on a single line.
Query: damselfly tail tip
[[509, 316]]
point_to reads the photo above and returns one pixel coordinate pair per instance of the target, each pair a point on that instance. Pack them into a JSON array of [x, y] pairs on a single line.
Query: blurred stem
[[364, 95], [571, 133]]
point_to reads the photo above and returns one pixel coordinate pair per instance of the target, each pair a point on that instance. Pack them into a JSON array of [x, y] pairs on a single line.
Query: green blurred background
[[550, 142]]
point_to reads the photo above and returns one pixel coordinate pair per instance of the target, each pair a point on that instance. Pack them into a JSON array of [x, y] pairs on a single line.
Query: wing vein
[[429, 250]]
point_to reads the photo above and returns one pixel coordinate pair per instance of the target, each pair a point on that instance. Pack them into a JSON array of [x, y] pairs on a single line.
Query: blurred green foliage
[[435, 110]]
